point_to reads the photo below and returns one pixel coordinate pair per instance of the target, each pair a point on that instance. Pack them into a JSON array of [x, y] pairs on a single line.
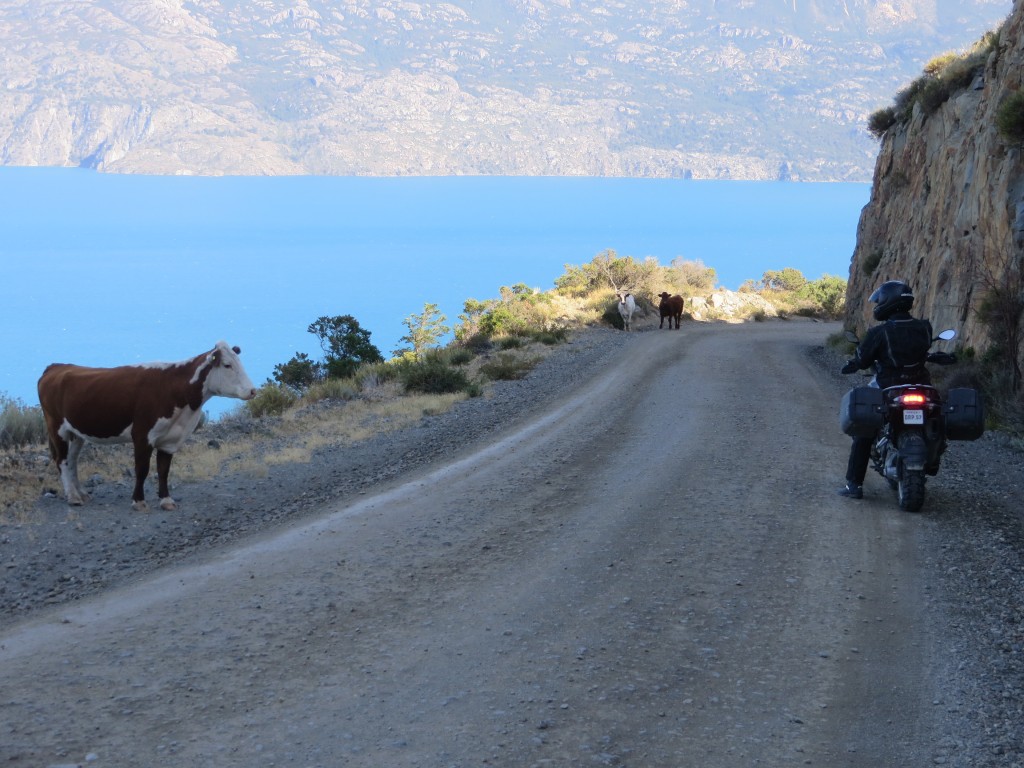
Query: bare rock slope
[[659, 88]]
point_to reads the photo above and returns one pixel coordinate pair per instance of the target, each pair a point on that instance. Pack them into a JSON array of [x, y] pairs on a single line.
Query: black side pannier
[[860, 413], [965, 414]]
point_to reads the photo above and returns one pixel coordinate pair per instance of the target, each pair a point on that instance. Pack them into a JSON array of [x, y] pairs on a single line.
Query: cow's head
[[227, 376]]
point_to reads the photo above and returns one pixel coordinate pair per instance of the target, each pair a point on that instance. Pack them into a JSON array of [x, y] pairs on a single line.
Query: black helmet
[[891, 297]]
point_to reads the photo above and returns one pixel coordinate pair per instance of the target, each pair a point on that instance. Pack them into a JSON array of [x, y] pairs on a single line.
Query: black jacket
[[897, 349]]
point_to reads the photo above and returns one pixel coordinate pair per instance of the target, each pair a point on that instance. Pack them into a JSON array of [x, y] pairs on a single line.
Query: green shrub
[[519, 311], [299, 373], [906, 98], [20, 424], [933, 94], [939, 63], [459, 355], [959, 74], [577, 281], [881, 121], [943, 76], [374, 374], [552, 337], [511, 342], [270, 400], [839, 342], [871, 261], [928, 91], [332, 389], [827, 294], [477, 343], [425, 331], [433, 376], [898, 180], [692, 277], [508, 367], [1010, 119], [788, 279], [345, 343]]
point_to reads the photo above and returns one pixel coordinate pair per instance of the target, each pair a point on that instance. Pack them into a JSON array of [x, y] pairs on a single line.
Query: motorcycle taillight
[[913, 398]]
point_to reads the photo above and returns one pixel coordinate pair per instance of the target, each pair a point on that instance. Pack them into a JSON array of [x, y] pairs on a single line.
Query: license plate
[[913, 417]]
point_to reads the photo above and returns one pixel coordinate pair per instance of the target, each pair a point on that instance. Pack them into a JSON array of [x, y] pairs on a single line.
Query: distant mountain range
[[737, 89]]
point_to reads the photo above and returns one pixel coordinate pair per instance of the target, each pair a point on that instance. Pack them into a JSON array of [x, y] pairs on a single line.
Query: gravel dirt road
[[653, 569]]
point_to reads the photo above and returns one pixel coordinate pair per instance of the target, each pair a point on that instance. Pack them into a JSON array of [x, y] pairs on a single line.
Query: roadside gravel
[[974, 512], [66, 553], [974, 534]]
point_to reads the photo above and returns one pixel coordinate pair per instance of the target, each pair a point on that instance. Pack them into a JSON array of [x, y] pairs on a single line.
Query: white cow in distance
[[627, 306]]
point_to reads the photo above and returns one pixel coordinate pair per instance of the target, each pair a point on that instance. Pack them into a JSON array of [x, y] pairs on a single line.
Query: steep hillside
[[662, 88], [947, 204]]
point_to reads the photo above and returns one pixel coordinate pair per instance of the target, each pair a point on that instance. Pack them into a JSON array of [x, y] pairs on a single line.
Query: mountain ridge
[[706, 89]]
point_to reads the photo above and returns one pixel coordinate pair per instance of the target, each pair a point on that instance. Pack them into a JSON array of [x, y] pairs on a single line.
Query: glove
[[850, 367]]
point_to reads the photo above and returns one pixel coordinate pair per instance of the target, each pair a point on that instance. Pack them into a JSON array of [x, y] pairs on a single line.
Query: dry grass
[[380, 407], [25, 473], [293, 437]]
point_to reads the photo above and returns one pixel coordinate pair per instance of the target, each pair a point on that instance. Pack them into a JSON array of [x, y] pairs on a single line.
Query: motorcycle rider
[[897, 349]]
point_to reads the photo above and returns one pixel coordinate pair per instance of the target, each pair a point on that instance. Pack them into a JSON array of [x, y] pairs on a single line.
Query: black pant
[[860, 455]]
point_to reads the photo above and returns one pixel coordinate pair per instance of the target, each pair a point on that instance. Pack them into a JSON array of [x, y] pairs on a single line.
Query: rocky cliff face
[[946, 211]]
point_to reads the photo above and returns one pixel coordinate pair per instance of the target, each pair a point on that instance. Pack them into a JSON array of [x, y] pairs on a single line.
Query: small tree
[[425, 331], [520, 309], [346, 345], [787, 279], [828, 292], [299, 373], [881, 121], [577, 281], [473, 313], [693, 275]]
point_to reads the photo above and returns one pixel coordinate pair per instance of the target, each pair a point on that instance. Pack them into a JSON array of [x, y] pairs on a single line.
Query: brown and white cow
[[670, 307], [155, 406]]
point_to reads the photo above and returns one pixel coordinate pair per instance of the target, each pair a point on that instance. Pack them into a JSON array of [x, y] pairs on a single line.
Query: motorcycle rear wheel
[[910, 490]]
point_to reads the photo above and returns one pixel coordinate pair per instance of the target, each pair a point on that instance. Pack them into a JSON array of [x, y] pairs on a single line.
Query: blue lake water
[[101, 269]]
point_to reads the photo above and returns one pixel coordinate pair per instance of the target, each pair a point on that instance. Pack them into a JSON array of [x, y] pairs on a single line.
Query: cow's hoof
[[140, 506], [168, 504]]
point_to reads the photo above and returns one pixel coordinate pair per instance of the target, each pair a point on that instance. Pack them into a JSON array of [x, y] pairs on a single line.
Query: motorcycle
[[910, 425]]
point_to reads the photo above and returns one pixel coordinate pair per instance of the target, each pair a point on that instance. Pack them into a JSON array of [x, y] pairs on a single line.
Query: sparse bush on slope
[[942, 78], [20, 424]]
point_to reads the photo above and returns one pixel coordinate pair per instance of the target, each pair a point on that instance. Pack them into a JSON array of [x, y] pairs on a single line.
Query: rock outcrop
[[946, 211], [731, 306]]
